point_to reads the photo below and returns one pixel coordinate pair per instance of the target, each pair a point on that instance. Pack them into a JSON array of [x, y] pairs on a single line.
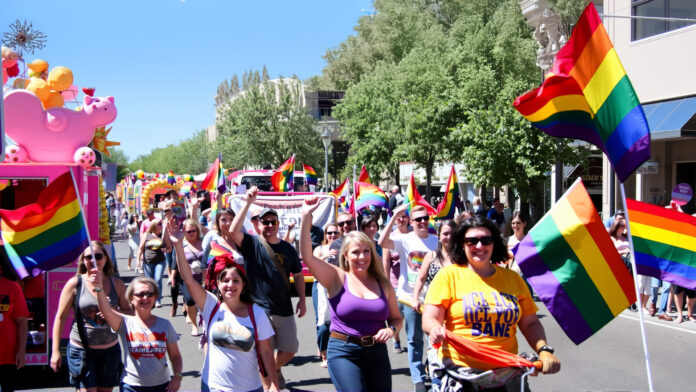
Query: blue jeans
[[135, 388], [664, 296], [155, 271], [103, 367], [323, 330], [354, 368], [414, 334]]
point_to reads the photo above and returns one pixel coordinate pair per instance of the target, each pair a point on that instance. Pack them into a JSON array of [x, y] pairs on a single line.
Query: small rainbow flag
[[570, 260], [664, 243], [187, 188], [342, 194], [364, 177], [451, 201], [216, 250], [170, 178], [215, 179], [588, 96], [46, 234], [282, 177], [413, 195], [310, 174], [369, 195]]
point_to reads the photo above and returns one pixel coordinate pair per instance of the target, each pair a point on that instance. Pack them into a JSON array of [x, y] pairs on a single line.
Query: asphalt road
[[611, 360]]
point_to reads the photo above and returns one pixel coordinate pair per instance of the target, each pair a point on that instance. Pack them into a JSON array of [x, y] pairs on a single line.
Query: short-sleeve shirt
[[12, 307], [227, 367], [412, 249], [268, 288], [483, 309], [146, 351]]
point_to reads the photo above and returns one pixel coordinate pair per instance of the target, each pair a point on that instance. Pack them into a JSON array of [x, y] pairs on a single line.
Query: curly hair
[[458, 253]]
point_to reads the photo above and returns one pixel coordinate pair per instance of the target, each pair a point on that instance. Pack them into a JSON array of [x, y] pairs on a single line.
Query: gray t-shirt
[[146, 351]]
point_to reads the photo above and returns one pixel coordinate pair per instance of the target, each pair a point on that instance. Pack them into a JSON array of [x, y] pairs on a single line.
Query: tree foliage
[[191, 156]]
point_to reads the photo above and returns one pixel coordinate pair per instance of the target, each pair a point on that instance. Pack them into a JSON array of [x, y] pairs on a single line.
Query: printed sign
[[682, 194]]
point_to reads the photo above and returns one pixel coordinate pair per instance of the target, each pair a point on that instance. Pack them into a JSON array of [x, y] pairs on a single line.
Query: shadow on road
[[39, 377]]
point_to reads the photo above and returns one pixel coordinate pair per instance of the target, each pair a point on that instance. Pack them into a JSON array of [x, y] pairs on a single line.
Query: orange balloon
[[39, 87], [55, 100]]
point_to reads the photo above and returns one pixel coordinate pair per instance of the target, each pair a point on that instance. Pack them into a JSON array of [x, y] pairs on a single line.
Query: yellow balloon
[[40, 88], [38, 65], [60, 78], [55, 100]]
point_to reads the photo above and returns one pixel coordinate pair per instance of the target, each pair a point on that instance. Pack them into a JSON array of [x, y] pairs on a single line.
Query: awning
[[671, 119]]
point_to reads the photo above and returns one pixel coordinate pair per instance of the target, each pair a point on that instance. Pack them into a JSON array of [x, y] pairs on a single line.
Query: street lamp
[[326, 139]]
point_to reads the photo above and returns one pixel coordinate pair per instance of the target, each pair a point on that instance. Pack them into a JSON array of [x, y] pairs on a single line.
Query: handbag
[[82, 369]]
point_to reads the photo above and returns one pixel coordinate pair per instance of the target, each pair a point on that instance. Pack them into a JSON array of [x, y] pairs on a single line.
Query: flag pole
[[635, 280], [84, 217]]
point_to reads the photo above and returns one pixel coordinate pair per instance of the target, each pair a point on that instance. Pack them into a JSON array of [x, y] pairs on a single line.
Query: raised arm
[[197, 291], [238, 222], [67, 296], [328, 275], [110, 315], [384, 240]]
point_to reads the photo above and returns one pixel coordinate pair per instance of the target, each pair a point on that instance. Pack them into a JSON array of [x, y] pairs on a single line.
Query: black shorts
[[689, 293]]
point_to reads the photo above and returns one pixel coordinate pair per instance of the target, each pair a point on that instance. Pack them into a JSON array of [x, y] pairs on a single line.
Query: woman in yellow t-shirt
[[480, 301]]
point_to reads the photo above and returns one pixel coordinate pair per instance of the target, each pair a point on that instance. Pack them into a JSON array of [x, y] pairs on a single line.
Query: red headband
[[226, 260]]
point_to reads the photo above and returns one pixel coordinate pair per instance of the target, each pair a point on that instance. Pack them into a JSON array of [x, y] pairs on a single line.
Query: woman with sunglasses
[[97, 367], [193, 252], [322, 252], [483, 302], [144, 336], [364, 311], [238, 332], [153, 246]]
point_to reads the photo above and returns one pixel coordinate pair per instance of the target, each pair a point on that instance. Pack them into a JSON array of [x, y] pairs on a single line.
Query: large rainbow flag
[[369, 195], [664, 243], [310, 174], [413, 195], [282, 177], [447, 207], [588, 96], [46, 234], [364, 176], [570, 260], [215, 179]]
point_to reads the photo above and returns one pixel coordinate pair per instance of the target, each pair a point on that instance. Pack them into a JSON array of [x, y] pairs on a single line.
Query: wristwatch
[[393, 328], [546, 348], [96, 289], [179, 376]]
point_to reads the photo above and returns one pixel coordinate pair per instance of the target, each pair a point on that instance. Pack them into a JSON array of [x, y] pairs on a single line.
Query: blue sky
[[162, 60]]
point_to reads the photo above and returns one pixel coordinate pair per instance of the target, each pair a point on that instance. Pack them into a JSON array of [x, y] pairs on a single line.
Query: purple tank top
[[356, 316]]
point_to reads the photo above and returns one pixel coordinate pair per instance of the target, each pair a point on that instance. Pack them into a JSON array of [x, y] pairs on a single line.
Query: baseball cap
[[266, 211]]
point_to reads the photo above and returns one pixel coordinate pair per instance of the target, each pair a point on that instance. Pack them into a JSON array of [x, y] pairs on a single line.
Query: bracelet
[[178, 375], [97, 289]]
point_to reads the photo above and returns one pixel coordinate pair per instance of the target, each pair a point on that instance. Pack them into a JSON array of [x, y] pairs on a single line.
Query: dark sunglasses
[[421, 219], [473, 241], [97, 256], [269, 222], [192, 231], [345, 223], [144, 294], [331, 233]]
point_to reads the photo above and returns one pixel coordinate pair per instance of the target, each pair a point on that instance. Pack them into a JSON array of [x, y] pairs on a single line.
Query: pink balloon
[[70, 94]]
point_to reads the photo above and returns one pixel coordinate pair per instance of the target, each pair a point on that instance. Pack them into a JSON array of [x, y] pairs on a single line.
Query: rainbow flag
[[447, 207], [170, 178], [342, 193], [369, 195], [310, 174], [664, 243], [282, 177], [413, 195], [570, 260], [46, 234], [364, 176], [215, 179], [215, 250], [187, 188], [588, 96]]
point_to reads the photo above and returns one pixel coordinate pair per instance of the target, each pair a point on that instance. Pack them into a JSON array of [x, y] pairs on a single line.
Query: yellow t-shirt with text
[[485, 310]]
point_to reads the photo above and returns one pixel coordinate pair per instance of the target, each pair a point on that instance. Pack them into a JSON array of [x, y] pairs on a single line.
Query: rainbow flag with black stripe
[[369, 195], [588, 96], [310, 174], [664, 243], [451, 201], [47, 234], [282, 177], [572, 264]]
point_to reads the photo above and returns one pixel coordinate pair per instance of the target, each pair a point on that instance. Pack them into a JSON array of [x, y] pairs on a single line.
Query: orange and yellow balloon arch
[[151, 187]]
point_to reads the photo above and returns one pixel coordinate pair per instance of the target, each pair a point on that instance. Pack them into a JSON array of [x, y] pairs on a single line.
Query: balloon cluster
[[10, 68], [140, 174], [147, 191], [53, 87]]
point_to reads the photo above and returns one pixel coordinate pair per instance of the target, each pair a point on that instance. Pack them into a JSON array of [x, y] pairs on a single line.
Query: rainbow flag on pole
[[364, 176], [664, 243], [310, 174], [369, 195], [282, 177], [570, 260], [342, 193], [46, 234], [413, 195], [588, 96], [447, 207], [215, 179]]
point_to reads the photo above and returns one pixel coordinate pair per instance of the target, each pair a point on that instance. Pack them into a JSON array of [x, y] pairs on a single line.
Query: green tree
[[190, 156], [119, 157]]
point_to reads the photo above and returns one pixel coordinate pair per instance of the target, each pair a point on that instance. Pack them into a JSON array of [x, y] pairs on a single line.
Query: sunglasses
[[97, 256], [345, 223], [144, 294], [421, 219], [167, 211], [191, 231], [331, 233], [473, 241], [269, 222]]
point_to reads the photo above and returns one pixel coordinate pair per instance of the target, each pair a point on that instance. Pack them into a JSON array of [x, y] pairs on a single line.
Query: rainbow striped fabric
[[310, 174], [215, 250], [570, 260], [187, 188], [664, 243], [413, 195], [215, 179], [170, 178], [364, 176], [369, 195], [447, 207], [342, 193], [282, 177], [46, 234], [588, 96]]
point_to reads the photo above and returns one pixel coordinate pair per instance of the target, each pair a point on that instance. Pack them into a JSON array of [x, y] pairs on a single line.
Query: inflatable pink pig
[[53, 135]]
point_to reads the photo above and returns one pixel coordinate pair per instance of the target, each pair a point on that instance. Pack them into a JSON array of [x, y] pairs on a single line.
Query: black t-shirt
[[268, 289]]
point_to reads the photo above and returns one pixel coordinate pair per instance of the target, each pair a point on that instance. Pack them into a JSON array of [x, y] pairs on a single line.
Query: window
[[642, 28]]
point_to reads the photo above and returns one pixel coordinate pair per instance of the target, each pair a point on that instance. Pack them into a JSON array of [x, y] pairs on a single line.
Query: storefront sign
[[649, 167]]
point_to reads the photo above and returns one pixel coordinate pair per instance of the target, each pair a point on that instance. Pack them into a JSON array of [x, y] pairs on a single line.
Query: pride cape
[[570, 260], [588, 96], [413, 195], [451, 200], [282, 177], [46, 234], [310, 174], [369, 195], [215, 179], [664, 243]]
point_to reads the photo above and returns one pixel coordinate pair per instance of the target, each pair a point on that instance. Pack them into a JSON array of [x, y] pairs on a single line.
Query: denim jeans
[[155, 271], [664, 296], [414, 334], [323, 330], [355, 368]]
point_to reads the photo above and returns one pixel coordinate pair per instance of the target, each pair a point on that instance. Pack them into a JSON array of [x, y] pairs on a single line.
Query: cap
[[266, 211], [619, 212]]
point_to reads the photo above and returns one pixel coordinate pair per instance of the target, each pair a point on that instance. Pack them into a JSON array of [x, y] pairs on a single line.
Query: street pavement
[[611, 360]]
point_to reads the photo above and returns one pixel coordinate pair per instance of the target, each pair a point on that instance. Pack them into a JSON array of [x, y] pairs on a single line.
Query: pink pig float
[[53, 135]]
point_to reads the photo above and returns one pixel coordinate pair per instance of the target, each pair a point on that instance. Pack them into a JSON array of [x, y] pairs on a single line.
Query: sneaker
[[397, 348], [158, 304]]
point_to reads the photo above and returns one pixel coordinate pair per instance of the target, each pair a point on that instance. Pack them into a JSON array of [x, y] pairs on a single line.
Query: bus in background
[[262, 179]]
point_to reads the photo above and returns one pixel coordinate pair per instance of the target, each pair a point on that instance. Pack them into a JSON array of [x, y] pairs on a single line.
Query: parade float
[[50, 130]]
